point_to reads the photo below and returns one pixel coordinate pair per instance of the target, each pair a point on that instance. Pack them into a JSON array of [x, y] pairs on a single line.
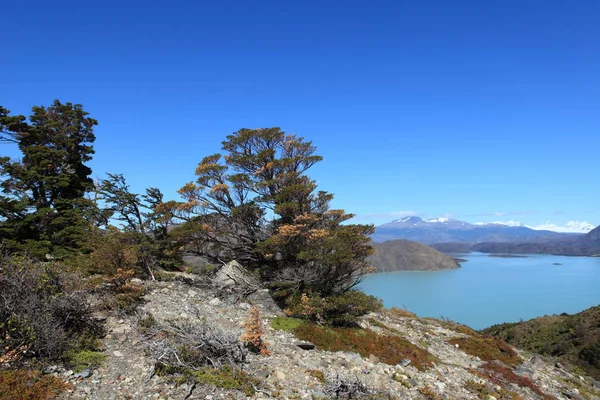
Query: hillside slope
[[573, 338], [404, 255], [396, 355]]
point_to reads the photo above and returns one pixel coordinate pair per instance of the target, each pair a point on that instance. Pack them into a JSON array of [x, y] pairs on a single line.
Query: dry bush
[[186, 344], [352, 388], [401, 312], [253, 333], [42, 312]]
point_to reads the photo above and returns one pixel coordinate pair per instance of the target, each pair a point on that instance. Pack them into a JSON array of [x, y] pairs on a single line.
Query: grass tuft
[[85, 360]]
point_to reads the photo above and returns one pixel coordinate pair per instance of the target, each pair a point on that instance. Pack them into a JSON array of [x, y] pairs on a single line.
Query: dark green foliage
[[43, 209], [336, 310], [42, 312], [591, 354]]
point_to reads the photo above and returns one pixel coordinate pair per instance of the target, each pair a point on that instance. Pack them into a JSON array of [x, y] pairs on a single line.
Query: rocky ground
[[290, 372]]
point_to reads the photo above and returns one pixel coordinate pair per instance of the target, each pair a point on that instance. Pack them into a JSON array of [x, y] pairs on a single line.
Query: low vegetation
[[43, 312], [85, 359], [575, 339], [224, 377], [24, 384], [503, 376], [286, 324], [390, 349], [253, 334], [338, 310], [488, 349], [483, 390]]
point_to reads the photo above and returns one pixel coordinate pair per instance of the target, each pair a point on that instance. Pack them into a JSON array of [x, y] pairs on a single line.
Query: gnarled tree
[[263, 175]]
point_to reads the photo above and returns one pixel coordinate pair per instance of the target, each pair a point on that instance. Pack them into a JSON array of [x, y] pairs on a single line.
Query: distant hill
[[404, 255], [443, 230], [573, 338], [581, 245]]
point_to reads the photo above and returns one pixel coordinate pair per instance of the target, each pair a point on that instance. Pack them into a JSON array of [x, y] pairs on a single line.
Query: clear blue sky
[[467, 108]]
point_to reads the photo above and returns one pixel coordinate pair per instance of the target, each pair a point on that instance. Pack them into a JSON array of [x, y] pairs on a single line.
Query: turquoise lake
[[489, 290]]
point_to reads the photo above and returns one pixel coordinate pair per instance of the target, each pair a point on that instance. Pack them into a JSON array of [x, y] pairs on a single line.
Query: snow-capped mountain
[[570, 227], [505, 223], [443, 230]]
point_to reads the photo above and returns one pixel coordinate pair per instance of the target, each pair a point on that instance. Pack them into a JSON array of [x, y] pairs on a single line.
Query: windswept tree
[[144, 219], [42, 201], [263, 176]]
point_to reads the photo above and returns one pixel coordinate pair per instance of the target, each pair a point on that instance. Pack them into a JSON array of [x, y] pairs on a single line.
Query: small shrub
[[337, 310], [429, 393], [352, 388], [390, 349], [30, 385], [488, 349], [188, 344], [128, 298], [253, 333], [145, 323], [43, 314], [478, 388], [344, 309], [286, 324], [401, 312], [85, 360], [318, 374]]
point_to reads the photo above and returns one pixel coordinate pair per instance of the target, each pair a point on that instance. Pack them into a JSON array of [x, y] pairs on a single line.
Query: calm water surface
[[488, 290]]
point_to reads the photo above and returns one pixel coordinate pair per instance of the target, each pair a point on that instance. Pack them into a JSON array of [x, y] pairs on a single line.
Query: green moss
[[85, 360], [390, 349], [225, 378], [286, 324]]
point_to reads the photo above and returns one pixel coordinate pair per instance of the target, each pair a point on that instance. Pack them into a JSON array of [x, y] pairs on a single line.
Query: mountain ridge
[[443, 230]]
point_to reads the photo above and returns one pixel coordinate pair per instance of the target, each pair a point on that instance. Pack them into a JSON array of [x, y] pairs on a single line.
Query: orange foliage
[[252, 336]]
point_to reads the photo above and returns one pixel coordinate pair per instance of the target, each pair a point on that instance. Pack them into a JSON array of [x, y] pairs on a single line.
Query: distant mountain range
[[444, 230], [579, 245], [569, 227]]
